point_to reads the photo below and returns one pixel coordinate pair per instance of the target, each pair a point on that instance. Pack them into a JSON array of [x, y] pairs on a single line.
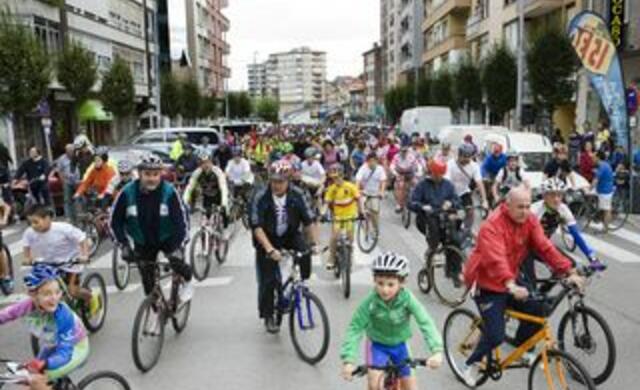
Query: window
[[509, 2], [510, 35], [48, 33]]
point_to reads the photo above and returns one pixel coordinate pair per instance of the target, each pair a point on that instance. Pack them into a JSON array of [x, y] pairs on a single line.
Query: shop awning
[[92, 110]]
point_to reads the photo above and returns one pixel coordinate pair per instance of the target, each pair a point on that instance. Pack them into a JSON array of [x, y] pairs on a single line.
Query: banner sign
[[616, 22], [593, 45]]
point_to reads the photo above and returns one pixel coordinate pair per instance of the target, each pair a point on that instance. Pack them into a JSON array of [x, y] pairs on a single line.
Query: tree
[[467, 88], [424, 90], [268, 109], [239, 104], [209, 107], [441, 89], [499, 80], [398, 99], [77, 72], [118, 93], [552, 63], [25, 70], [191, 100], [170, 96]]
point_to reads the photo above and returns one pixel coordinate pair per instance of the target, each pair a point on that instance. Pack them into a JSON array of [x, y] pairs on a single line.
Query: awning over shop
[[92, 110]]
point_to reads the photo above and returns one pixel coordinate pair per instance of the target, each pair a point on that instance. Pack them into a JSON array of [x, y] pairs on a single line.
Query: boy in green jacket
[[384, 315]]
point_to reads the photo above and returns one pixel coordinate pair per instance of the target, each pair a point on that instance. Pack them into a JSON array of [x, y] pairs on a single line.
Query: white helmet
[[553, 184], [391, 263]]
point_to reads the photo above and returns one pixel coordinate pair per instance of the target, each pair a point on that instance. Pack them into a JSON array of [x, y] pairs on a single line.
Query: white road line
[[628, 235], [611, 251]]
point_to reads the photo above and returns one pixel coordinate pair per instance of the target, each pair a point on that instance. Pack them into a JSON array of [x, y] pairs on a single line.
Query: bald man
[[504, 241]]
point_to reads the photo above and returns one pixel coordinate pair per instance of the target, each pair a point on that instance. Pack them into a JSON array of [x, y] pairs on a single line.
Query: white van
[[163, 139], [454, 135], [425, 119]]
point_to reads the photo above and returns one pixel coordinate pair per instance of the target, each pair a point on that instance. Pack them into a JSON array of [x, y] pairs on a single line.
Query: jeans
[[40, 192], [146, 255], [69, 209]]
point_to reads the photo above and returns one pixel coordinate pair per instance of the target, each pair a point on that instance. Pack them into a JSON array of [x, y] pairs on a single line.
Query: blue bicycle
[[308, 320]]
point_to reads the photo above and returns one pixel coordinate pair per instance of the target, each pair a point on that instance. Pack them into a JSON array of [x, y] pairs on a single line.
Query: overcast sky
[[343, 28]]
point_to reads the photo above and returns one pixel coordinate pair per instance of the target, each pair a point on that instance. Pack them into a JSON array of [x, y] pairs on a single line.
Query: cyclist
[[147, 217], [238, 171], [6, 281], [36, 170], [58, 242], [504, 240], [372, 180], [343, 199], [126, 174], [187, 163], [465, 175], [177, 148], [490, 168], [98, 177], [444, 154], [384, 316], [63, 341], [313, 175], [510, 176], [405, 166], [278, 212], [212, 183]]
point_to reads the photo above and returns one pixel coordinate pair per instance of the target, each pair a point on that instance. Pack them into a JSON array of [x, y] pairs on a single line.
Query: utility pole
[[520, 84]]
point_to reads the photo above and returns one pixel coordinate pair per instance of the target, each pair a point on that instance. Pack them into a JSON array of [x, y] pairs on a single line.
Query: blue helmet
[[39, 275]]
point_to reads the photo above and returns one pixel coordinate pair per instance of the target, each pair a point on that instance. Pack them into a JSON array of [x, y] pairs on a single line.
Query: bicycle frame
[[291, 297], [167, 305]]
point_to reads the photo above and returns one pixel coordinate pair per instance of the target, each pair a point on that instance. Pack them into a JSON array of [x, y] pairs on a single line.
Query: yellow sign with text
[[593, 46]]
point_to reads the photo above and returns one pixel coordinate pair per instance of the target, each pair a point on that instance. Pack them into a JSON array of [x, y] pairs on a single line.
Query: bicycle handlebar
[[413, 363]]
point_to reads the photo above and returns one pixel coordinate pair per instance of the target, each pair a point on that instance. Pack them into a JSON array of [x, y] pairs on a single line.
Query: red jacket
[[587, 166], [502, 246]]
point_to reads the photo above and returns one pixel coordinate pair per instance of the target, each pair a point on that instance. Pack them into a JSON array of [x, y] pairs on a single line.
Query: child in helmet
[[64, 345], [126, 174], [384, 316]]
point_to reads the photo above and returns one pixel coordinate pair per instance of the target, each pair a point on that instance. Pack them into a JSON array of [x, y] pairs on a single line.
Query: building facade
[[257, 80], [374, 95], [207, 44], [444, 31]]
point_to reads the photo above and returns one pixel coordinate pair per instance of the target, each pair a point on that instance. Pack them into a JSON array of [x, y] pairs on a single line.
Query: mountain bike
[[308, 321], [153, 314], [239, 206], [589, 217], [368, 231], [120, 269], [208, 240], [390, 380], [552, 369], [94, 221], [16, 374], [344, 253]]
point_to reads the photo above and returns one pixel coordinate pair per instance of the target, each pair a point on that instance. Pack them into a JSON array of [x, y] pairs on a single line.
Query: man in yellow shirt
[[344, 201]]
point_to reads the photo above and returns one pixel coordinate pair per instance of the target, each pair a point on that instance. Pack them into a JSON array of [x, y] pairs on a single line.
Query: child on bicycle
[[63, 341], [58, 242], [384, 316]]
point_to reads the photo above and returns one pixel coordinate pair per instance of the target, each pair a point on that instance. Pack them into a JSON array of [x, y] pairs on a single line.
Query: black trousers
[[269, 275], [148, 255]]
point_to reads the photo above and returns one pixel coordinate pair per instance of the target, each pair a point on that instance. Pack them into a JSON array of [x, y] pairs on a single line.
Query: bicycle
[[588, 216], [95, 223], [391, 377], [120, 269], [404, 184], [239, 210], [295, 298], [343, 254], [553, 367], [5, 288], [448, 259], [153, 313], [368, 231], [208, 240], [16, 374]]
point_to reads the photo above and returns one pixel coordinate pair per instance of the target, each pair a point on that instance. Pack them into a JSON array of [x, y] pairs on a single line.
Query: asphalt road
[[226, 346]]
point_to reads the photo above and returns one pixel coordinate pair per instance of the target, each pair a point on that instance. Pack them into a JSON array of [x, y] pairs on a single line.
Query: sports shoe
[[186, 291], [469, 374], [398, 209], [271, 326]]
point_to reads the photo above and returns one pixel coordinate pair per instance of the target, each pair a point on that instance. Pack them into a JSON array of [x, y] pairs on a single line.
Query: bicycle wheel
[[309, 327], [567, 239], [181, 315], [221, 248], [583, 333], [94, 321], [583, 216], [462, 332], [424, 281], [367, 235], [8, 290], [148, 334], [446, 282], [200, 255], [563, 372], [91, 230], [102, 380], [120, 269], [345, 272], [406, 217], [619, 213]]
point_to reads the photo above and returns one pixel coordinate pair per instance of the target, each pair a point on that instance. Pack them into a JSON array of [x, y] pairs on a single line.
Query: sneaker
[[186, 291], [271, 326], [95, 304], [469, 374], [527, 359], [398, 209]]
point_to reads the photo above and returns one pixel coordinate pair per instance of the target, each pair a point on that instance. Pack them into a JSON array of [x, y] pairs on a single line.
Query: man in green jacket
[[385, 316]]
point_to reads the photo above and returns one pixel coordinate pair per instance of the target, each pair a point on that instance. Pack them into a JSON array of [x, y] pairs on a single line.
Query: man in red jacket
[[504, 241]]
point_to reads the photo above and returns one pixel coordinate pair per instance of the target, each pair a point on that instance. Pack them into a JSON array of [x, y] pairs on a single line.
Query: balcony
[[446, 8], [450, 43], [535, 8], [476, 26]]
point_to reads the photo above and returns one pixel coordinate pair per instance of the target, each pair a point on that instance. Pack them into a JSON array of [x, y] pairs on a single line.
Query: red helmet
[[437, 167]]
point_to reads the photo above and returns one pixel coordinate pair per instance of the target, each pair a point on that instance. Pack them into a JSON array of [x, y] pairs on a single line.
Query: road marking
[[215, 282], [610, 251], [628, 235], [16, 248]]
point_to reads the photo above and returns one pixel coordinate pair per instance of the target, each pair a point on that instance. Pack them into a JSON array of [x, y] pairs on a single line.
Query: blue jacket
[[428, 192], [492, 165]]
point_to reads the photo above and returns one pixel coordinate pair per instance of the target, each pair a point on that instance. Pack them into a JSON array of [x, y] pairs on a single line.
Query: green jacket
[[388, 324], [133, 227]]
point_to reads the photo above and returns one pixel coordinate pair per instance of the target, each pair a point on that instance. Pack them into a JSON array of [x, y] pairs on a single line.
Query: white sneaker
[[469, 374], [528, 358], [186, 291]]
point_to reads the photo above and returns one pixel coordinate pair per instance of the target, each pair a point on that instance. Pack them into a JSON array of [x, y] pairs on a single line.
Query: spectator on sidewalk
[[36, 170], [67, 167], [587, 164], [575, 144], [557, 137], [604, 187]]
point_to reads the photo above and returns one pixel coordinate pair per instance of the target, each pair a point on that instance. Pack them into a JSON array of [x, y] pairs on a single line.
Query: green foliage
[[209, 107], [77, 71], [467, 86], [268, 109], [239, 105], [118, 93], [499, 80], [170, 96], [25, 70], [424, 90], [441, 89], [191, 99], [398, 99], [552, 64]]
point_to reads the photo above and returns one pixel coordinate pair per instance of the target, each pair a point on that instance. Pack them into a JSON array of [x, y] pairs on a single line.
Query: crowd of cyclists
[[292, 178]]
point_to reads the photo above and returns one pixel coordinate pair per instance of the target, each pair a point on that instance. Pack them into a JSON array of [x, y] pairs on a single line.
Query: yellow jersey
[[343, 199]]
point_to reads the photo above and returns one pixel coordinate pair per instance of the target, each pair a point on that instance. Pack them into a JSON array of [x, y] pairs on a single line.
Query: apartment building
[[374, 94], [257, 80], [207, 44], [444, 29]]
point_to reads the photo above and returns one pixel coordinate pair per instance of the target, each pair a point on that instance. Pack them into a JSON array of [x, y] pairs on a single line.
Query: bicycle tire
[[567, 239], [138, 326], [406, 217], [90, 323], [222, 249], [91, 230], [473, 334], [200, 268], [102, 376], [120, 269], [450, 293], [619, 214], [598, 376], [367, 241], [11, 273], [576, 371], [180, 317], [345, 272], [295, 317], [424, 281], [583, 216]]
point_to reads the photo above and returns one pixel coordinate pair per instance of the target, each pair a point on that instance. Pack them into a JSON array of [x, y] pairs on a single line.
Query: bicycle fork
[[301, 300]]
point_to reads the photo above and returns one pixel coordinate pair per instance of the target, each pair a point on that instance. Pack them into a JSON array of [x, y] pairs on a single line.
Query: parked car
[[134, 153], [163, 139]]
